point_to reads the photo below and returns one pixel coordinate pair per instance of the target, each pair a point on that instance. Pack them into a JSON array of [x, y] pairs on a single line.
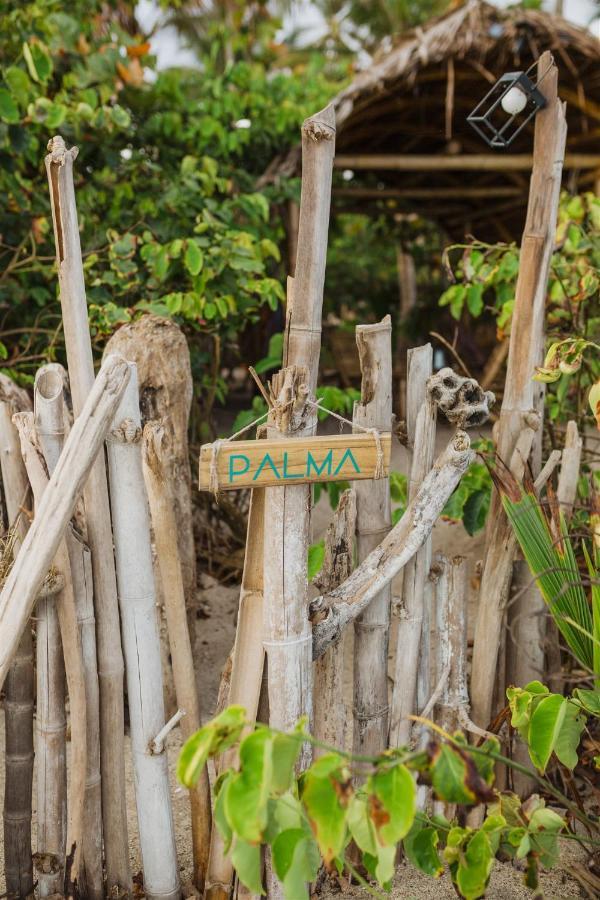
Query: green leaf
[[455, 777], [120, 116], [475, 511], [361, 825], [567, 741], [218, 734], [8, 108], [393, 803], [325, 797], [193, 257], [546, 722], [219, 810], [246, 862], [316, 556], [475, 299], [286, 749], [296, 862], [384, 869], [475, 867], [248, 791], [19, 84], [38, 61], [589, 700], [420, 846], [544, 827]]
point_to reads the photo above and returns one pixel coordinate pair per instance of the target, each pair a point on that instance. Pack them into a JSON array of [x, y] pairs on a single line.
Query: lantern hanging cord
[[216, 445]]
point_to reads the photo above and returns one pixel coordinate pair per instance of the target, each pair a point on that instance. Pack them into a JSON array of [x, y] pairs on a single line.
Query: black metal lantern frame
[[481, 118]]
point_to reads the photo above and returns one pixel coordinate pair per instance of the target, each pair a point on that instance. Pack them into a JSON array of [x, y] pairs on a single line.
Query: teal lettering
[[347, 455], [266, 460], [232, 471], [287, 474], [310, 461]]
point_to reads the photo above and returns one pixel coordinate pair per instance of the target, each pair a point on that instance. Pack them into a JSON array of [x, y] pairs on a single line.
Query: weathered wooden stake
[[137, 602], [330, 719], [521, 394], [166, 538], [50, 416], [19, 685], [59, 166], [373, 522]]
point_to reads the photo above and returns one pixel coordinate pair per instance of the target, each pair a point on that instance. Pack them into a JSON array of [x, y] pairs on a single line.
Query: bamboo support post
[[166, 537], [330, 718], [50, 413], [59, 166], [412, 652], [287, 635], [332, 612], [72, 655], [137, 602], [373, 522], [521, 394], [19, 685]]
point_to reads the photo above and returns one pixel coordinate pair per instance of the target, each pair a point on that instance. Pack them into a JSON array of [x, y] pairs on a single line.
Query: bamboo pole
[[41, 542], [73, 659], [59, 166], [332, 612], [287, 635], [50, 412], [330, 718], [479, 162], [373, 522], [137, 602], [19, 686], [521, 393], [412, 653], [166, 536]]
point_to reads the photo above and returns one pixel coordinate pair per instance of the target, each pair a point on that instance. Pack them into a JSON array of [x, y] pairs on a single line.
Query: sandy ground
[[215, 634]]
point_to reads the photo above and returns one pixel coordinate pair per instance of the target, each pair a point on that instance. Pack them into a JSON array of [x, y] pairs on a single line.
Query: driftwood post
[[287, 636], [137, 602], [329, 712], [19, 686], [166, 541], [373, 522], [73, 666], [59, 166], [521, 394], [50, 413], [412, 656]]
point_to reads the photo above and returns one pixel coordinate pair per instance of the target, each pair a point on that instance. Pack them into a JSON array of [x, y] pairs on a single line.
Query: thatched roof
[[414, 98]]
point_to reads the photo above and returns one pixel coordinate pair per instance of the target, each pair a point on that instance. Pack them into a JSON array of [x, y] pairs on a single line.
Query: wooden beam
[[482, 162], [468, 193]]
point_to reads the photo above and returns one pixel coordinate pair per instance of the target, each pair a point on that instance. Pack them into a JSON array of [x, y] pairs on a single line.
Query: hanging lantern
[[507, 108]]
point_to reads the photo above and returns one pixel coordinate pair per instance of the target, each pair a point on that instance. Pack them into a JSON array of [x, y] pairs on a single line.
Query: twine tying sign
[[216, 445]]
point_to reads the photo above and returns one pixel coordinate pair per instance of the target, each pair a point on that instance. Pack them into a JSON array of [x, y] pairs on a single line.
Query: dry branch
[[59, 166], [331, 612], [373, 522], [141, 644]]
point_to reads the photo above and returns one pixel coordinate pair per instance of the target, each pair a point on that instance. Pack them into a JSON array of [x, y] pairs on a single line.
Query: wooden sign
[[272, 463]]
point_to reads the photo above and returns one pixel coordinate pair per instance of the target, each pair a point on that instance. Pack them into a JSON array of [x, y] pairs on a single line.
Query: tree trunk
[[50, 419], [135, 579], [59, 166], [166, 541], [373, 522], [521, 394], [330, 717], [19, 686]]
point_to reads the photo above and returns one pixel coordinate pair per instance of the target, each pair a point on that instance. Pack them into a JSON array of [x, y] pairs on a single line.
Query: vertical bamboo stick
[[287, 633], [59, 166], [413, 636], [19, 689], [166, 545], [330, 717], [141, 644], [50, 429], [373, 522], [525, 352]]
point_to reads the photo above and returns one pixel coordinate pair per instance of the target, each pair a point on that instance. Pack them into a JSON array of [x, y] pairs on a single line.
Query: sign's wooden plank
[[294, 461]]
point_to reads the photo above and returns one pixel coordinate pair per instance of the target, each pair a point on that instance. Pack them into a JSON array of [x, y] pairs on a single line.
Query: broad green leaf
[[286, 748], [475, 511], [544, 827], [219, 810], [455, 777], [38, 61], [475, 299], [193, 257], [475, 866], [316, 556], [361, 825], [248, 791], [246, 862], [19, 84], [385, 866], [590, 700], [326, 792], [120, 116], [296, 862], [546, 722], [218, 734], [420, 846], [392, 803], [567, 740], [8, 108]]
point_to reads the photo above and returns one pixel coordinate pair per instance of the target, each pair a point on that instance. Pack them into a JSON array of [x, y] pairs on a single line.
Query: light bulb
[[514, 101]]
